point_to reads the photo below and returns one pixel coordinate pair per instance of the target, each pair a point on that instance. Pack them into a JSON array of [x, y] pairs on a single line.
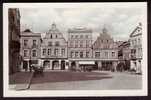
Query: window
[[76, 36], [107, 41], [76, 54], [76, 43], [49, 43], [97, 54], [56, 52], [56, 36], [81, 36], [87, 36], [81, 54], [81, 43], [49, 51], [34, 42], [71, 44], [139, 41], [87, 54], [44, 52], [25, 42], [25, 53], [113, 54], [87, 43], [72, 36], [135, 42], [106, 54], [71, 54], [63, 52], [57, 43], [51, 36], [34, 53]]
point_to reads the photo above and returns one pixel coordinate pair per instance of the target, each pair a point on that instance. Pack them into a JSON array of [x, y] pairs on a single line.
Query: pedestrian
[[30, 67]]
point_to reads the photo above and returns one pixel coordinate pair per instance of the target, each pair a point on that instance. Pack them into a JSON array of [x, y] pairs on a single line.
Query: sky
[[119, 21]]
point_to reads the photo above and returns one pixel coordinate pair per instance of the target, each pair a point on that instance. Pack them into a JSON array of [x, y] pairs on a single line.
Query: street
[[98, 80]]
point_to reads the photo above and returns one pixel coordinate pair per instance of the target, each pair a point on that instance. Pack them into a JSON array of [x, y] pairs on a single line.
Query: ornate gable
[[137, 31], [53, 32]]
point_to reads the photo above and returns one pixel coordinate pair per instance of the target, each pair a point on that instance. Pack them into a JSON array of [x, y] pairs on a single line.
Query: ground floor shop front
[[54, 64], [65, 64], [136, 65], [48, 64], [104, 65]]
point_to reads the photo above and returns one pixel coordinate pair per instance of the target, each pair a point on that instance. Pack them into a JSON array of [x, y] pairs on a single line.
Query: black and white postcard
[[75, 49]]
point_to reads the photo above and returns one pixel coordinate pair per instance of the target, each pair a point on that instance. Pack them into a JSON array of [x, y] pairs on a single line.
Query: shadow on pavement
[[69, 76], [20, 78]]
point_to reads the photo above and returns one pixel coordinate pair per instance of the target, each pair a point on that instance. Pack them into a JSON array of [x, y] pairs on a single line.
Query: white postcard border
[[52, 93]]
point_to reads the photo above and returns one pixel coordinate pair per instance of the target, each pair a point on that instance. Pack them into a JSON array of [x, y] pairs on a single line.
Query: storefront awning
[[86, 62]]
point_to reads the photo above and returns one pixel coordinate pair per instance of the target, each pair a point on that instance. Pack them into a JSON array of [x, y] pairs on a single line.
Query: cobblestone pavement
[[56, 80]]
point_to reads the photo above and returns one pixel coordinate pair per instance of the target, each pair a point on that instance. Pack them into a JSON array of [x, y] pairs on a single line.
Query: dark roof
[[27, 30]]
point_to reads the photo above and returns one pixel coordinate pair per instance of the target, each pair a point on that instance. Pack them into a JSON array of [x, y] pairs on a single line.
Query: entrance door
[[46, 64], [62, 65], [73, 65], [55, 65], [25, 65]]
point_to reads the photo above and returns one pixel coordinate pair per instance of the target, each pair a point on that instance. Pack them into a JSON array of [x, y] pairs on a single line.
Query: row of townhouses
[[53, 52]]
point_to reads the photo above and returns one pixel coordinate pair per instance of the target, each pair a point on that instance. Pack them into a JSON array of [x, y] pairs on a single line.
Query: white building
[[136, 49], [54, 50], [79, 46]]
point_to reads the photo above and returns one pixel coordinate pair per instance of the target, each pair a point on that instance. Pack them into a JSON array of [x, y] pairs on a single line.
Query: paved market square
[[65, 80]]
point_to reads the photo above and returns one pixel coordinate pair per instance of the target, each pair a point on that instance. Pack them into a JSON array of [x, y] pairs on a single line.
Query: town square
[[63, 48]]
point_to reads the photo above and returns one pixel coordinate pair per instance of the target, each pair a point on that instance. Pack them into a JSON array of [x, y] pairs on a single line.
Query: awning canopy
[[86, 62]]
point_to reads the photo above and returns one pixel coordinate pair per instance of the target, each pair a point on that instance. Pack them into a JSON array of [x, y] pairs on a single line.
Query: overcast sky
[[120, 21]]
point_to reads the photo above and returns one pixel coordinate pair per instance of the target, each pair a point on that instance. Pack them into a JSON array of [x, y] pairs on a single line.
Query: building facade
[[14, 40], [30, 48], [79, 46], [54, 50], [136, 49], [105, 52], [124, 54]]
